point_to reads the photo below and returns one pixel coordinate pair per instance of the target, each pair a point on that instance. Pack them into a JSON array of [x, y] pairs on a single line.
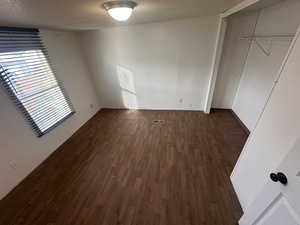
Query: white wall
[[278, 126], [153, 66], [18, 143]]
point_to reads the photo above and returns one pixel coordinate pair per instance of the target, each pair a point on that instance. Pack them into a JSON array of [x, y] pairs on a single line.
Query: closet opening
[[253, 49]]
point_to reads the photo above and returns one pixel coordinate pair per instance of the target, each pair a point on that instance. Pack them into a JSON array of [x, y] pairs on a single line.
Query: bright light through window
[[30, 81]]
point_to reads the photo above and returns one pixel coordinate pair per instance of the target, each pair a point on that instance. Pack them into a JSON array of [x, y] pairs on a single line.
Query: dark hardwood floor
[[120, 168]]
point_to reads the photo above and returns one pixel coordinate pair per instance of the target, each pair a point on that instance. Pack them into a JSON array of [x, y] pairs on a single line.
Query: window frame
[[9, 90]]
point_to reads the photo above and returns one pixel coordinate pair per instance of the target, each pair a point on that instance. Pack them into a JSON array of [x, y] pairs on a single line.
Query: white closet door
[[258, 78]]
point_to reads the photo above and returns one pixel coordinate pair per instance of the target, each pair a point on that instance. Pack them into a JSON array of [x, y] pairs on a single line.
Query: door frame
[[221, 31]]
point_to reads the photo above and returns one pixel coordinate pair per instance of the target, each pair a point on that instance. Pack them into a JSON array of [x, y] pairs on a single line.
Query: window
[[27, 75]]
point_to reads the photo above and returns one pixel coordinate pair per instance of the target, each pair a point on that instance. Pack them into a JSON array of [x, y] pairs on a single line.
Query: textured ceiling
[[88, 14]]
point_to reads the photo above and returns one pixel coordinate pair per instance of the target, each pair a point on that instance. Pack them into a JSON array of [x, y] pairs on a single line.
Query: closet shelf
[[256, 38], [269, 36]]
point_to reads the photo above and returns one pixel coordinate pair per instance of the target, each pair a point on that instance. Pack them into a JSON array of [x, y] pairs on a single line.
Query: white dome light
[[120, 14], [120, 10]]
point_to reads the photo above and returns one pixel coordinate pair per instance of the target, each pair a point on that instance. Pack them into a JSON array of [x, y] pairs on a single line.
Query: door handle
[[279, 177]]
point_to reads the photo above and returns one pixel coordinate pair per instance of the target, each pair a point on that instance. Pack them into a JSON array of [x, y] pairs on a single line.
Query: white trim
[[244, 4], [219, 47], [216, 63]]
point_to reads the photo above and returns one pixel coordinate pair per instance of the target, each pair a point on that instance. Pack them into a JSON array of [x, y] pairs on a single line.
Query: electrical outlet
[[91, 106], [181, 100]]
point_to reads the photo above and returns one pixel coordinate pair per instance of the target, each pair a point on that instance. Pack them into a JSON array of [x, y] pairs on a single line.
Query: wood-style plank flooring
[[121, 168]]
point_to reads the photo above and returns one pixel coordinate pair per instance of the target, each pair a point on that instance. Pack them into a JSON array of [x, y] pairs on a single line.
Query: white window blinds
[[27, 75]]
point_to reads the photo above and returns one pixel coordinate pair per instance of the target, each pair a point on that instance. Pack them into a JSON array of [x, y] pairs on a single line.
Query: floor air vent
[[158, 121]]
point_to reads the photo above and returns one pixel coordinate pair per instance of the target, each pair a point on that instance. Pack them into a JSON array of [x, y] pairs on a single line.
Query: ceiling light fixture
[[119, 10]]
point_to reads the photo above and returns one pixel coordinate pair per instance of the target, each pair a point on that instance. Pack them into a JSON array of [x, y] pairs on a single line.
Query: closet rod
[[269, 36]]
